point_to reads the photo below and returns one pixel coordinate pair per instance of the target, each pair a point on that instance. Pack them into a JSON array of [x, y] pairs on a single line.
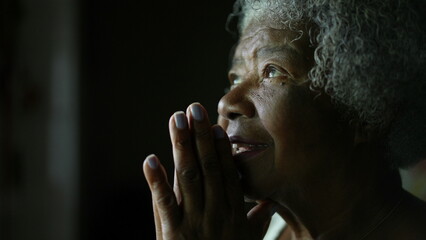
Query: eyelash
[[268, 70], [235, 80]]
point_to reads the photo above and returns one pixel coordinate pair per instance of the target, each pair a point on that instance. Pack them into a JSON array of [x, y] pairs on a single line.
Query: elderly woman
[[325, 105]]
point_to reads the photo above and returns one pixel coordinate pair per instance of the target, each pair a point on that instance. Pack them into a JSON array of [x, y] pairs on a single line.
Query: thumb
[[259, 218]]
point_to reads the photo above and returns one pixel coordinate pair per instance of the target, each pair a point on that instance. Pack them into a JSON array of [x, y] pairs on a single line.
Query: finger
[[259, 218], [162, 195], [206, 153], [157, 221], [188, 173], [176, 189], [233, 190]]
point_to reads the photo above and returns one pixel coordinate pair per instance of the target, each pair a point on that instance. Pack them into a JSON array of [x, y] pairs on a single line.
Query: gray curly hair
[[369, 58]]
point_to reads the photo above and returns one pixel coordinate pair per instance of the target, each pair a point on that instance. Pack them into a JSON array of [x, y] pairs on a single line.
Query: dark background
[[143, 61], [130, 65]]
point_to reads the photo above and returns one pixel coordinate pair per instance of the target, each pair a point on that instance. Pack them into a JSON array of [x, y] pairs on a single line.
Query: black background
[[140, 61]]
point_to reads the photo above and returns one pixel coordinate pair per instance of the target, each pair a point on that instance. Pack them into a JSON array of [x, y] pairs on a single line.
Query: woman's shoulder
[[408, 221], [412, 216]]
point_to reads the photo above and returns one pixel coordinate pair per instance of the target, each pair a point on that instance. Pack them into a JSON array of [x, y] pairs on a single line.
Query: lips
[[245, 149]]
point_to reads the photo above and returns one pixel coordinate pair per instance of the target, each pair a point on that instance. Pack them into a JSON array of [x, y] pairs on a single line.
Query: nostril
[[233, 115]]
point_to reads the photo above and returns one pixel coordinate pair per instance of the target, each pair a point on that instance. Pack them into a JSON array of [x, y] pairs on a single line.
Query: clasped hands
[[206, 201]]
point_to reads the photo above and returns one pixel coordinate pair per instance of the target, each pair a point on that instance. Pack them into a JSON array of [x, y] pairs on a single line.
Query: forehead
[[259, 40]]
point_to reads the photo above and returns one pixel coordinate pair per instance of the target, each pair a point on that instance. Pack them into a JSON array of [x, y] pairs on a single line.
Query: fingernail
[[152, 161], [218, 132], [197, 112], [180, 120]]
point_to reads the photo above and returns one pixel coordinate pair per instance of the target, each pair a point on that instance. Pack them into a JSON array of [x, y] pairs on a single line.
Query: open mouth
[[243, 150], [238, 148]]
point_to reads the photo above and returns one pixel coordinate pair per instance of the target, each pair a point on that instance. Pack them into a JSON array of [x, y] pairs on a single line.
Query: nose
[[236, 103]]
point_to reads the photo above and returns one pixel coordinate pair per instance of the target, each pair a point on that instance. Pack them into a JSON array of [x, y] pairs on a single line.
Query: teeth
[[240, 147]]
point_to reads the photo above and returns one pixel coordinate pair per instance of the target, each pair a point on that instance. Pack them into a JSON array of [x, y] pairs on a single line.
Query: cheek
[[272, 108], [308, 134], [294, 122], [278, 116], [295, 118]]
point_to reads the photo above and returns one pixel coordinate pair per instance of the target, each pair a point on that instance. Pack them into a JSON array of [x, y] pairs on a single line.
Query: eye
[[274, 72], [234, 80]]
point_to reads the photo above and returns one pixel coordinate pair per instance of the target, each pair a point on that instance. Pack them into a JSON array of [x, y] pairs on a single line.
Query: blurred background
[[86, 91]]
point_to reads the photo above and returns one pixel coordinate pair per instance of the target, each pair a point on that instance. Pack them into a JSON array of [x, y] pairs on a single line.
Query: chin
[[253, 193], [250, 194]]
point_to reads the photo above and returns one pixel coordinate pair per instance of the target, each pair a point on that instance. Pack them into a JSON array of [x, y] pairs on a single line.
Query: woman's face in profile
[[285, 136]]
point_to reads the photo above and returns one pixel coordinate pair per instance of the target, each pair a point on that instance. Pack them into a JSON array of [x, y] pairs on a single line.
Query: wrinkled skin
[[305, 136], [293, 153]]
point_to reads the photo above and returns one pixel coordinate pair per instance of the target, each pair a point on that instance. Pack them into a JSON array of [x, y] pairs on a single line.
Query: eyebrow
[[289, 51]]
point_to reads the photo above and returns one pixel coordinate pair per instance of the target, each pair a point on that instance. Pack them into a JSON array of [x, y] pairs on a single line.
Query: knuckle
[[189, 175], [165, 201], [158, 186], [210, 163], [202, 133], [182, 143]]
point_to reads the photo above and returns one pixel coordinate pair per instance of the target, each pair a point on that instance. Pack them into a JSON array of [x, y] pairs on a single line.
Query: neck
[[352, 203]]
